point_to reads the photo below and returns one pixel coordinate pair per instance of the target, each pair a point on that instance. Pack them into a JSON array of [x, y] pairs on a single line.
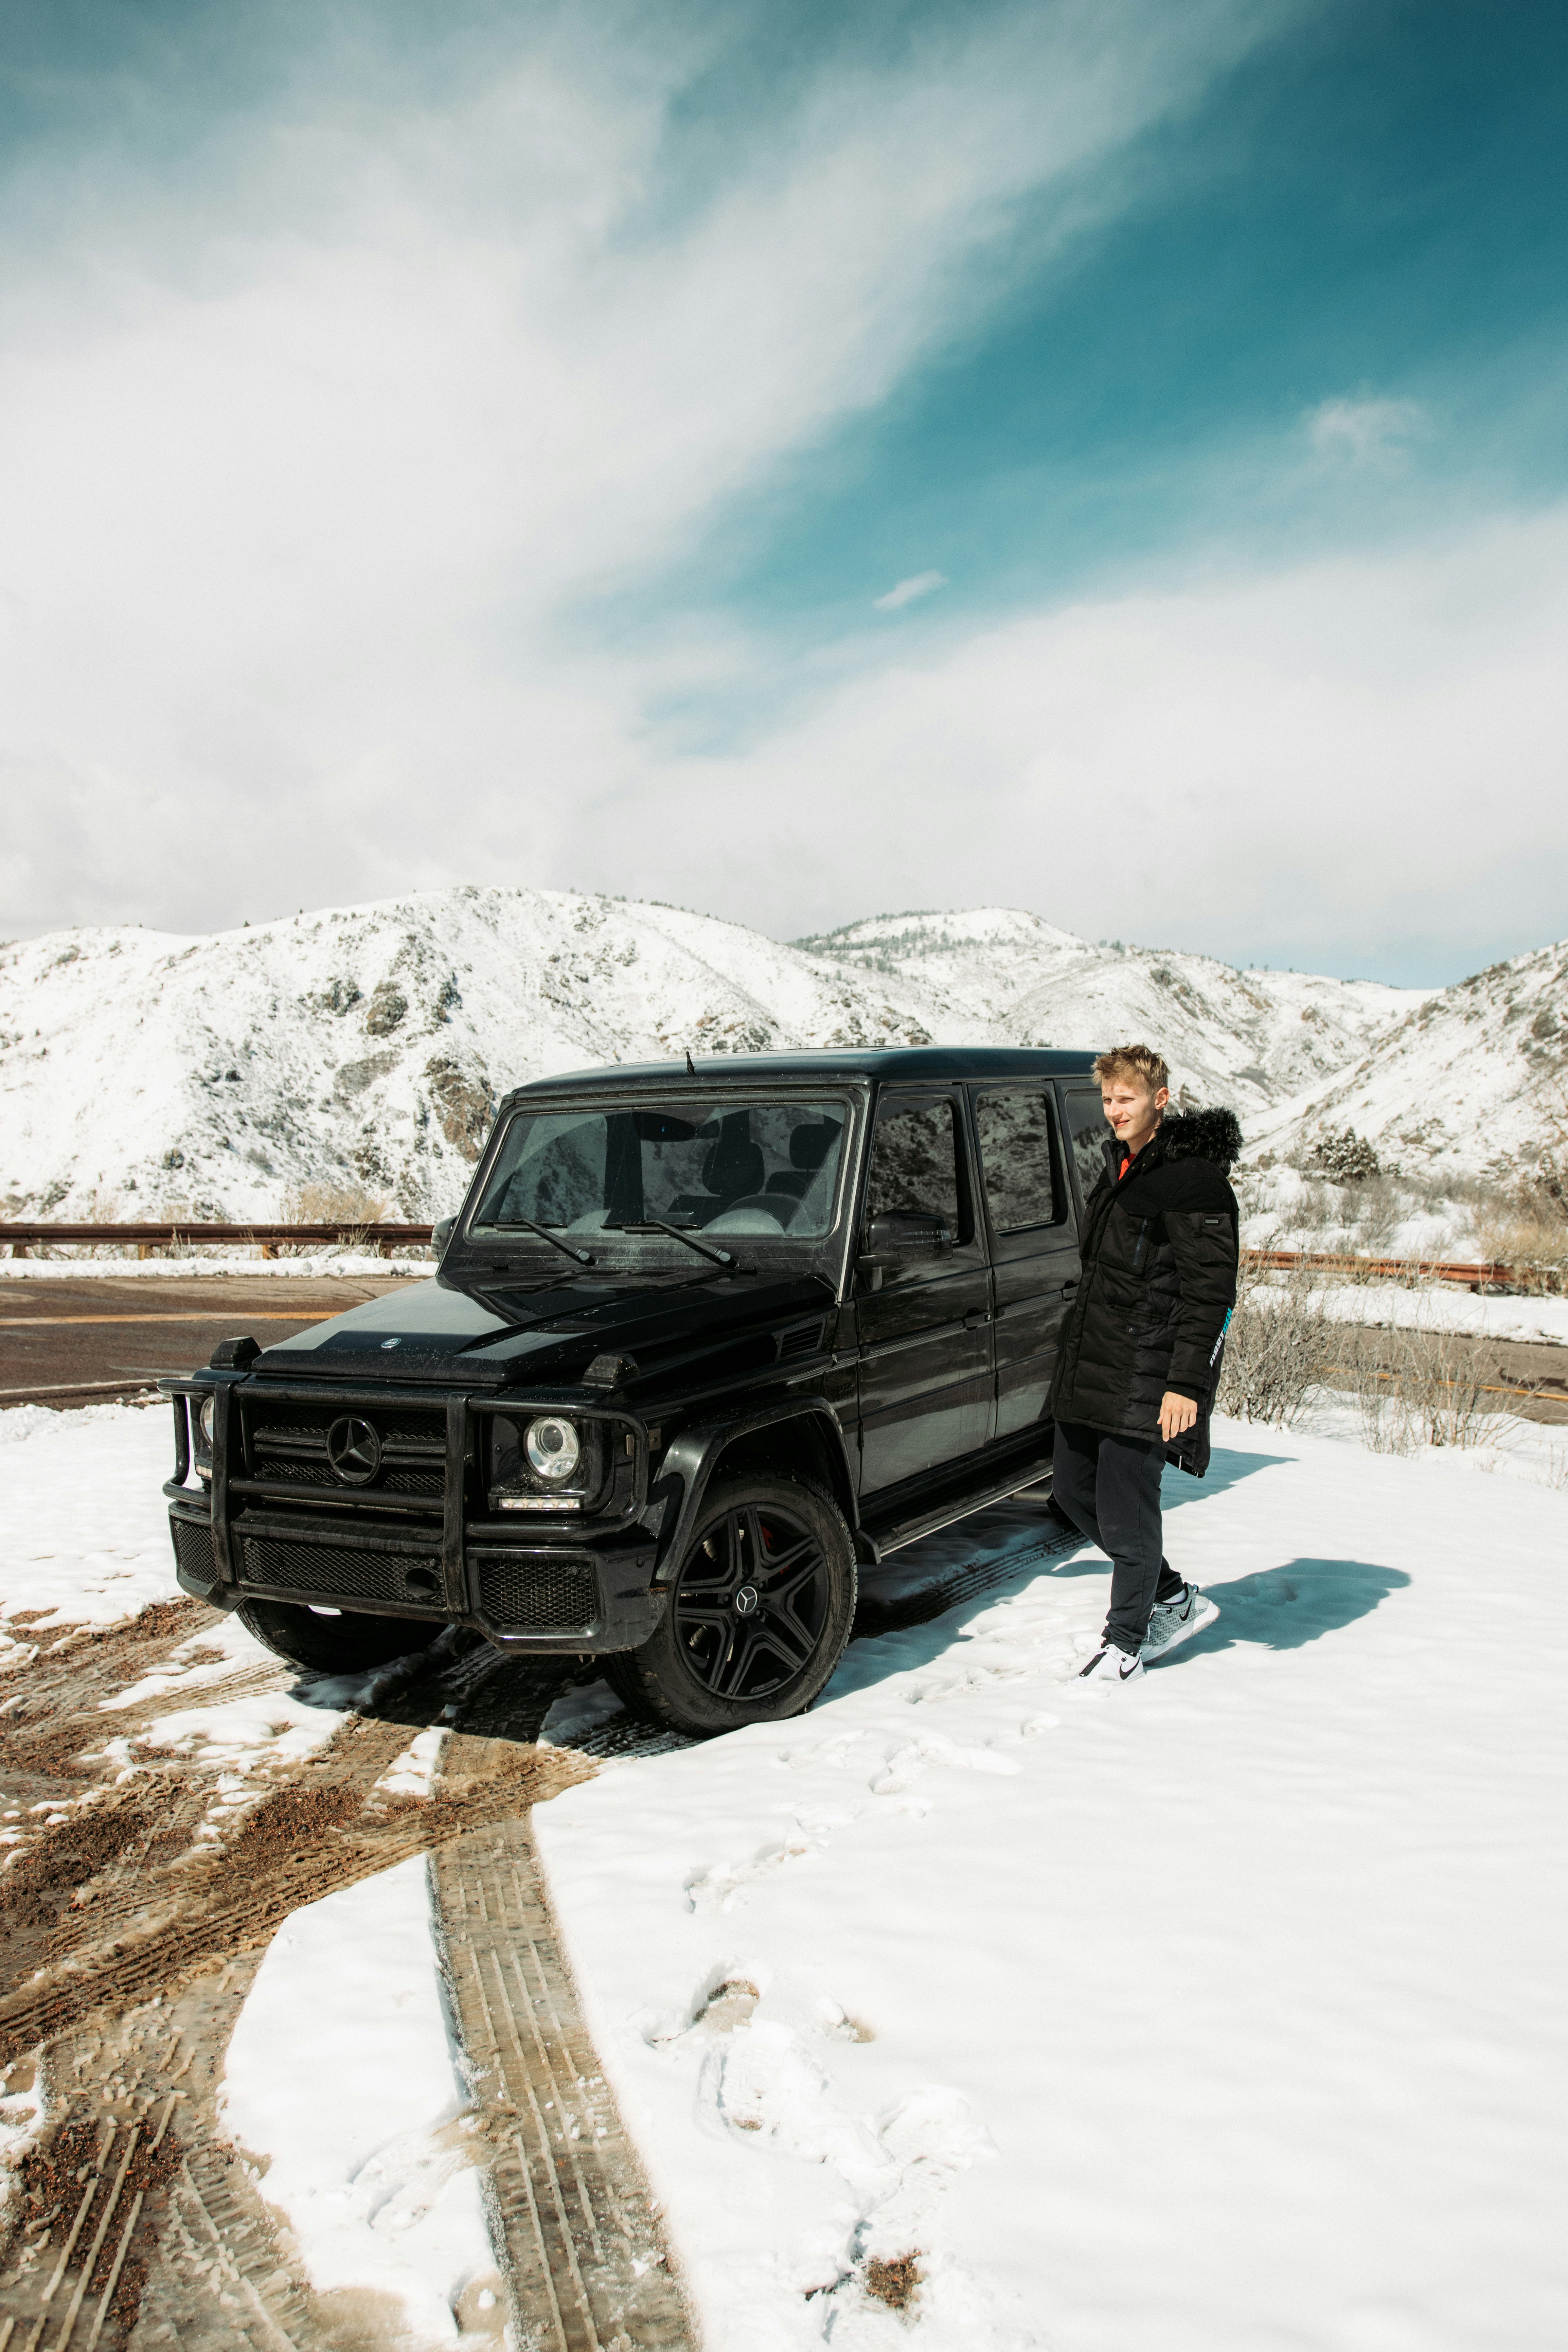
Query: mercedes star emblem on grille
[[353, 1449]]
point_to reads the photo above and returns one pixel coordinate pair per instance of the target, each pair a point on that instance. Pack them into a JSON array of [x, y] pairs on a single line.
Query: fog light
[[553, 1447]]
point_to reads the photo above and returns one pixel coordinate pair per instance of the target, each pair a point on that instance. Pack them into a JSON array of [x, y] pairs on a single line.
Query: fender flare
[[676, 1495]]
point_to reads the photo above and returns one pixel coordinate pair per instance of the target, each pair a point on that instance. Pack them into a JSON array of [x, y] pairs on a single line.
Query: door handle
[[1068, 1287], [976, 1318]]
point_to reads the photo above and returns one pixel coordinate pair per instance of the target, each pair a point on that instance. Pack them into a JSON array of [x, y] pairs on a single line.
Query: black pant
[[1109, 1487]]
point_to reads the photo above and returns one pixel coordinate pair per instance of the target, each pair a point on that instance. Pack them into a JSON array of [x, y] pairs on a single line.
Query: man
[[1141, 1349]]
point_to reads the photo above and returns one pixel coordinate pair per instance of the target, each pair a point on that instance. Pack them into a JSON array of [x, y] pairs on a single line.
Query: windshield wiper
[[511, 1224], [657, 1226]]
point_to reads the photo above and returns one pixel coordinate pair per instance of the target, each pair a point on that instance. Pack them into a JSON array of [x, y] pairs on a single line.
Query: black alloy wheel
[[347, 1645], [759, 1614], [751, 1602]]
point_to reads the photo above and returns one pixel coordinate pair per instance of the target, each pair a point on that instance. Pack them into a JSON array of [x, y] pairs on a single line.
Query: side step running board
[[875, 1543]]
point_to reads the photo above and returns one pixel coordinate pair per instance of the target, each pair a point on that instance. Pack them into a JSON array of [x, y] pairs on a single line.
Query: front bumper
[[573, 1585]]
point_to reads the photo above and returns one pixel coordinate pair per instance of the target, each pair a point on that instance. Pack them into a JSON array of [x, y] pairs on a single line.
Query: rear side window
[[1014, 1131], [914, 1162], [1090, 1131]]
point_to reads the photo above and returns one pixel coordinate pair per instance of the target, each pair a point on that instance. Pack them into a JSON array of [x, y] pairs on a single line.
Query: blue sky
[[1374, 201], [794, 462]]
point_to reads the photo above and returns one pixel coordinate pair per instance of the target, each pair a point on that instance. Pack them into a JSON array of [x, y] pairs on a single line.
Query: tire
[[334, 1645], [715, 1666]]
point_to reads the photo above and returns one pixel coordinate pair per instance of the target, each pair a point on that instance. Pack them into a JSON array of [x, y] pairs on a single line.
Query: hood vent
[[803, 1340]]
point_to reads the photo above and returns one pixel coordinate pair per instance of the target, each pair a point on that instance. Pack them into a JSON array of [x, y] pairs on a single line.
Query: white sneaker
[[1170, 1622], [1111, 1665]]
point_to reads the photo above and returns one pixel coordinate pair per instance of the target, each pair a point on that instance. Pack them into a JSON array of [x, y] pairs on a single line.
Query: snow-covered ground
[[1221, 2013], [84, 1528], [343, 2072], [1442, 1307]]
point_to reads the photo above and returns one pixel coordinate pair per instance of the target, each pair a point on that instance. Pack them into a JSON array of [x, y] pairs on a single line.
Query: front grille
[[537, 1596], [193, 1549], [287, 1446], [316, 1471], [329, 1569]]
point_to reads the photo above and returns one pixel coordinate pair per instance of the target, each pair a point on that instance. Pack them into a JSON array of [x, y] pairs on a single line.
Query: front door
[[1033, 1245], [925, 1335]]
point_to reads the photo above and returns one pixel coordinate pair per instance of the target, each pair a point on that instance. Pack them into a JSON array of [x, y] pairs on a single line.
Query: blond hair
[[1135, 1062]]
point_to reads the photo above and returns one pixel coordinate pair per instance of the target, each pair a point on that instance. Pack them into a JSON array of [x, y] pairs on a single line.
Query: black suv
[[701, 1341]]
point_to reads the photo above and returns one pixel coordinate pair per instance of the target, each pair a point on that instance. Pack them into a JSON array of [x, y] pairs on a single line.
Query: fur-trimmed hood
[[1212, 1135]]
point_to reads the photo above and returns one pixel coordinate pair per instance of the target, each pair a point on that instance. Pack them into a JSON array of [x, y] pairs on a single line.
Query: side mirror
[[441, 1233], [899, 1237]]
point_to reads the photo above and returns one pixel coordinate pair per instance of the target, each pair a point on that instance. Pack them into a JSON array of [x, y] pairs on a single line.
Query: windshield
[[765, 1168]]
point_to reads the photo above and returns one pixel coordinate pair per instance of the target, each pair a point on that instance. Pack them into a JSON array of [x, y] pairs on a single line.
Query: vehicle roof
[[929, 1062]]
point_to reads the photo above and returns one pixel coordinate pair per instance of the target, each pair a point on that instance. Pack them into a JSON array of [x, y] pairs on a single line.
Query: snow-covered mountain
[[144, 1073], [1473, 1082], [1242, 1038]]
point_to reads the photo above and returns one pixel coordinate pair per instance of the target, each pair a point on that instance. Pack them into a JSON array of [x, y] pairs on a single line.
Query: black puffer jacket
[[1159, 1251]]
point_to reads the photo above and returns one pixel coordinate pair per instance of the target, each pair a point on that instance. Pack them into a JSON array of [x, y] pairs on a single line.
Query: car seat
[[734, 1166], [808, 1147]]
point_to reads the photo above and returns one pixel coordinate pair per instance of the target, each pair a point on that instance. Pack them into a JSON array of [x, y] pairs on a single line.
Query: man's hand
[[1177, 1414]]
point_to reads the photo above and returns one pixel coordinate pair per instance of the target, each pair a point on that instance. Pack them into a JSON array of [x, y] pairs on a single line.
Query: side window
[[914, 1162], [1015, 1153], [1090, 1132]]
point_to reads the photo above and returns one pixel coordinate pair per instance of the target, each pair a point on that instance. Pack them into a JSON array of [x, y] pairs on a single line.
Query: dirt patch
[[896, 2282], [570, 2215], [128, 1937]]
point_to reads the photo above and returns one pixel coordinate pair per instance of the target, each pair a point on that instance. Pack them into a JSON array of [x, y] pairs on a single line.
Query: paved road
[[1518, 1376], [67, 1343]]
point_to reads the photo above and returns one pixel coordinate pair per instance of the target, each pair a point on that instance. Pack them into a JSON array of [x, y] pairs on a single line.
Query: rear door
[[925, 1335], [1034, 1243]]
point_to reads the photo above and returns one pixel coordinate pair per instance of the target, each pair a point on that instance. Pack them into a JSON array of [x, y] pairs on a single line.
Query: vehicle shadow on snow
[[1285, 1608]]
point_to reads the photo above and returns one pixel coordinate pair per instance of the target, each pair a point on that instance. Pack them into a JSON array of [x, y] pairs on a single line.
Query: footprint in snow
[[908, 1763], [716, 1889]]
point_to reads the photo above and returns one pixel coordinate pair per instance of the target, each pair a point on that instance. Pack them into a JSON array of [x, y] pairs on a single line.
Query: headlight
[[204, 1422], [553, 1447]]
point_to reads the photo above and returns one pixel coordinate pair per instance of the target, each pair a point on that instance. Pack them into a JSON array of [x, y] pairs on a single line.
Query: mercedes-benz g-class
[[699, 1343]]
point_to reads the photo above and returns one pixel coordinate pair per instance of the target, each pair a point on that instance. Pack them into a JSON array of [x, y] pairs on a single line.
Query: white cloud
[[1366, 431], [908, 592], [1333, 760], [308, 473]]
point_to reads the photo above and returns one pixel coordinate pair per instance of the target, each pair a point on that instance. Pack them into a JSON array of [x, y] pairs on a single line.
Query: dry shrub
[[1527, 1234], [1275, 1348], [1416, 1388], [335, 1200], [1411, 1387]]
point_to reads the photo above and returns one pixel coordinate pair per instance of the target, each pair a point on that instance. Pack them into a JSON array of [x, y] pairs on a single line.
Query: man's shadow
[[1285, 1608]]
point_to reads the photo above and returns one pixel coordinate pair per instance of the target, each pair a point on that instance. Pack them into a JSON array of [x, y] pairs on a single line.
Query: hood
[[498, 1334], [1213, 1135]]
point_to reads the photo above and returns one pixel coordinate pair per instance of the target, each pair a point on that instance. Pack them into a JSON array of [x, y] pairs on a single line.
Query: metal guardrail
[[1488, 1273], [377, 1239]]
